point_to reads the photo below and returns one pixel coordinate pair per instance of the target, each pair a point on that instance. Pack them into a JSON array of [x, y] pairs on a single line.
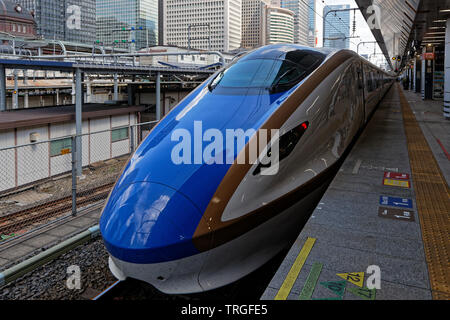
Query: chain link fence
[[39, 184]]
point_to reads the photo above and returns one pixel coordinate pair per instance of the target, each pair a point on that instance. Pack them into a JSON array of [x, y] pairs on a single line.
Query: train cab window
[[274, 75]]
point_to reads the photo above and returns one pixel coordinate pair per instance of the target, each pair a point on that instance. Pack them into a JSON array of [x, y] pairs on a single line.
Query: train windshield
[[275, 75]]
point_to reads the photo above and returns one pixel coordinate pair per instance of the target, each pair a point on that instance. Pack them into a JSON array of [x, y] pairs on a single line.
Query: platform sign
[[428, 56], [396, 202], [397, 183], [396, 214], [65, 151], [396, 175]]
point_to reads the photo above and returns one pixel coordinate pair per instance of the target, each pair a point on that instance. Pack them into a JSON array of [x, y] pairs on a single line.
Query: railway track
[[20, 220]]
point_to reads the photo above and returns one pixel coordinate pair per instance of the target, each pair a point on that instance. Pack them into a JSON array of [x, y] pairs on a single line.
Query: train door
[[361, 94], [349, 104], [371, 94]]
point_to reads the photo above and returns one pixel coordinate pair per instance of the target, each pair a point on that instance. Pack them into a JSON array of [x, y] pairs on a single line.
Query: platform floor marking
[[443, 148], [311, 282], [292, 276], [396, 183], [396, 175], [357, 278], [332, 298], [396, 202], [365, 293], [338, 287], [396, 214], [433, 203], [357, 166]]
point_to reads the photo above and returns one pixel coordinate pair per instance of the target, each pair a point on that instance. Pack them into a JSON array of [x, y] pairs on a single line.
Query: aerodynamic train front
[[188, 217]]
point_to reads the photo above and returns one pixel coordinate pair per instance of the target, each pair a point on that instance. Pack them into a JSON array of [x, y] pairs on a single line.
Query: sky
[[362, 29]]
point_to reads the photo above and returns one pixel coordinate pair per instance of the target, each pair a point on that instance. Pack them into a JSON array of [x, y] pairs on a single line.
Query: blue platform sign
[[396, 202]]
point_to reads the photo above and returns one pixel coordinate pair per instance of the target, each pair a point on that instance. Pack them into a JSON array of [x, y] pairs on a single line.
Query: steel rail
[[16, 221]]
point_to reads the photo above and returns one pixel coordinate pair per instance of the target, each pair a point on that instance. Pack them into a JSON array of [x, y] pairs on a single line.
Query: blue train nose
[[147, 222]]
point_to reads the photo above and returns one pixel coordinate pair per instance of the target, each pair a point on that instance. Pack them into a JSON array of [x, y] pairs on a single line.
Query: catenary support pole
[[74, 176], [2, 88], [116, 87], [26, 94], [16, 90], [158, 96], [78, 118]]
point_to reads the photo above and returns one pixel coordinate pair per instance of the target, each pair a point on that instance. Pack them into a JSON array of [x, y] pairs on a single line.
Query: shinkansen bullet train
[[196, 226]]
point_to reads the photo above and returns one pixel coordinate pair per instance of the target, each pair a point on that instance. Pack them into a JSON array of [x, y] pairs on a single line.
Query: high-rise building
[[161, 22], [301, 12], [280, 25], [253, 23], [337, 27], [275, 3], [312, 23], [203, 24], [264, 24], [51, 19], [128, 23]]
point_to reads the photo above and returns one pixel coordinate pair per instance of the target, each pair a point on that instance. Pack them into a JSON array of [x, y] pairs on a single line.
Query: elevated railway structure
[[124, 65]]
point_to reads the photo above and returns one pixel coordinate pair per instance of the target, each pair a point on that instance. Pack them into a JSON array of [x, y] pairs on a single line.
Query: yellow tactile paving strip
[[433, 204]]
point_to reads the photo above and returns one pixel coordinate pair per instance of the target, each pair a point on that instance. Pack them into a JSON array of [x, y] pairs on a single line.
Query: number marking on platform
[[357, 278], [367, 294]]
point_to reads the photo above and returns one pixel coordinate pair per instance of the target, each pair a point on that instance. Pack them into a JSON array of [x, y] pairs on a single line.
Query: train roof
[[279, 51], [282, 51]]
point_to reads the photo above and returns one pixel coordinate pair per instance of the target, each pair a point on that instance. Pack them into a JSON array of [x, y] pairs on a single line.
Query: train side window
[[369, 82]]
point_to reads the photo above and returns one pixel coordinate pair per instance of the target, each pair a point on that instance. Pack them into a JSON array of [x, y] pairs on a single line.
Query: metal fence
[[39, 182]]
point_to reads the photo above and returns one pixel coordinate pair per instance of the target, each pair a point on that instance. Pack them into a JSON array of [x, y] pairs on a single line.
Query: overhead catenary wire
[[340, 19], [324, 19], [346, 25]]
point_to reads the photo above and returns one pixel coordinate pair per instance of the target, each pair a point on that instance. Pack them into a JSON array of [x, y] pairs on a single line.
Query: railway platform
[[381, 230]]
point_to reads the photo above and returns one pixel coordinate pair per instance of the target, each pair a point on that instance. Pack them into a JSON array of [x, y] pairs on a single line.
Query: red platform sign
[[396, 175], [428, 56]]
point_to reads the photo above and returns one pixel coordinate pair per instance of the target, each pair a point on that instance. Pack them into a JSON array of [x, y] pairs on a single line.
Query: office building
[[275, 3], [253, 23], [264, 24], [129, 24], [312, 20], [51, 19], [279, 25], [161, 22], [337, 27], [301, 13], [203, 24]]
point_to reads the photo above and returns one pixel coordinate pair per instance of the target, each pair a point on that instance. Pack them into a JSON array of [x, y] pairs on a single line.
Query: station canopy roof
[[401, 27]]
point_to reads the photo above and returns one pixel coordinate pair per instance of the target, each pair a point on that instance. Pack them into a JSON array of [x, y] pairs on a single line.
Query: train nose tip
[[148, 222]]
